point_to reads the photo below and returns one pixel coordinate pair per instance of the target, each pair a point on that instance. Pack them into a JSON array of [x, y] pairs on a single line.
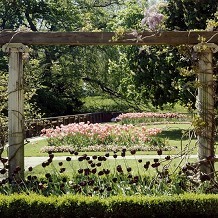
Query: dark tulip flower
[[109, 189], [131, 182], [114, 179], [3, 171], [90, 161], [101, 190], [68, 158], [169, 180], [146, 165], [91, 182], [51, 156], [124, 150], [156, 160], [123, 154], [87, 158], [71, 152], [34, 177], [29, 177], [80, 171], [99, 158], [92, 164], [64, 179], [100, 173], [47, 175], [119, 169], [80, 158], [4, 160], [76, 153], [167, 157], [184, 169], [104, 158], [155, 165], [49, 160], [94, 170], [87, 171], [129, 176], [115, 156], [62, 170], [83, 183], [133, 152], [107, 155], [129, 169], [139, 160], [44, 164], [98, 164], [96, 188], [49, 152], [60, 164], [41, 186], [4, 181], [106, 171], [159, 152], [136, 178], [94, 157]]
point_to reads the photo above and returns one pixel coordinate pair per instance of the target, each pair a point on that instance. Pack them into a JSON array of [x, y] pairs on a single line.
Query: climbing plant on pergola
[[16, 43]]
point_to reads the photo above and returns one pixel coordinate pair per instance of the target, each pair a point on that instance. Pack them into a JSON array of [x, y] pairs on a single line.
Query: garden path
[[34, 161]]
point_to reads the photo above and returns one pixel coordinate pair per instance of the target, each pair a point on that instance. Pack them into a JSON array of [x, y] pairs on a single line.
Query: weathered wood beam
[[15, 109], [106, 38]]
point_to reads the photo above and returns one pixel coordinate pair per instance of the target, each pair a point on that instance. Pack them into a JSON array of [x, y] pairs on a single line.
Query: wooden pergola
[[16, 43]]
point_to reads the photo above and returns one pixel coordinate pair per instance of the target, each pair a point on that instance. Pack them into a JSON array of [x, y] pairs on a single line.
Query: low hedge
[[188, 205]]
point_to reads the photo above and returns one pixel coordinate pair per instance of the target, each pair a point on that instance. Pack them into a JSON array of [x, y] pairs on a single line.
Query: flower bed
[[87, 136], [135, 118]]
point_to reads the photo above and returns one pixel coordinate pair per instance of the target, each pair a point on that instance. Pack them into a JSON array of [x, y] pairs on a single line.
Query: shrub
[[188, 205]]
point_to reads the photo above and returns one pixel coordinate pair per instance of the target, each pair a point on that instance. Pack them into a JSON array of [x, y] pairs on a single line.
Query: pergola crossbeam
[[107, 38]]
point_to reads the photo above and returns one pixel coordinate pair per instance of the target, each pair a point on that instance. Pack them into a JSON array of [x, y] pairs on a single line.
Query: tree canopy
[[58, 77]]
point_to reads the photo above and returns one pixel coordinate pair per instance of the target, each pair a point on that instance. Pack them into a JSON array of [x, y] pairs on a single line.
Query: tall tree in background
[[138, 75]]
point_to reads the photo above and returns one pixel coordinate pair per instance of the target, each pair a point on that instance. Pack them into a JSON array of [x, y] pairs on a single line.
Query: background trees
[[57, 78]]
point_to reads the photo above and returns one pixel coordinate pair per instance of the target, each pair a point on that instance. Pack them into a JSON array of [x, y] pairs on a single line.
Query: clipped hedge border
[[187, 205]]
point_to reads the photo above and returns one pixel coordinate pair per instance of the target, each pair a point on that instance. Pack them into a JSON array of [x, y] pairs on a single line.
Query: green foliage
[[189, 15], [103, 104], [191, 205]]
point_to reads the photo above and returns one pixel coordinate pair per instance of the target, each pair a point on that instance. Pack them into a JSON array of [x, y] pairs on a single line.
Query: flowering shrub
[[86, 135], [135, 118], [152, 18]]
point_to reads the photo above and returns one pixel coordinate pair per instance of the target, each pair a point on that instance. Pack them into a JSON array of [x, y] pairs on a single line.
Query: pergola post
[[15, 109], [205, 107]]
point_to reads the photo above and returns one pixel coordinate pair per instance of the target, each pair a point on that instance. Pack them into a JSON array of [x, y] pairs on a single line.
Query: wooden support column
[[205, 107], [15, 109]]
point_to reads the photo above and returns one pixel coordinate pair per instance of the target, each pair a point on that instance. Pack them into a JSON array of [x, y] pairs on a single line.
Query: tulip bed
[[148, 117], [102, 137]]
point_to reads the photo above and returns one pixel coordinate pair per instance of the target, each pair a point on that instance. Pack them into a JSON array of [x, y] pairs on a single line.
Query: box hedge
[[188, 205]]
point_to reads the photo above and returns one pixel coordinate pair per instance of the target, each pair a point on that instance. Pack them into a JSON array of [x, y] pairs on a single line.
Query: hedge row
[[188, 205]]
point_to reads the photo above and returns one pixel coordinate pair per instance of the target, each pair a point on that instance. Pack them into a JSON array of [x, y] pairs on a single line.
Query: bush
[[188, 205]]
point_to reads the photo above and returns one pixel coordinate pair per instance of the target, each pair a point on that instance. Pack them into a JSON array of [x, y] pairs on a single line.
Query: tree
[[157, 69]]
